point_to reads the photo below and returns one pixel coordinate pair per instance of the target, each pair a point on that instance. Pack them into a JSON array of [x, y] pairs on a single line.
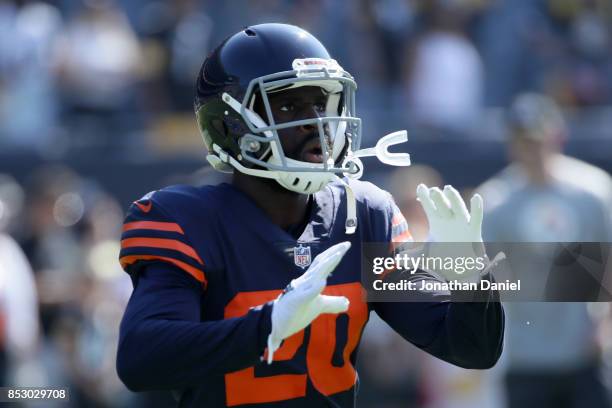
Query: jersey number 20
[[243, 387]]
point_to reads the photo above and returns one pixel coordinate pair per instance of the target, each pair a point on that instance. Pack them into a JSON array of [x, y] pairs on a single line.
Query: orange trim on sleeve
[[195, 272], [406, 235], [397, 220], [153, 225], [161, 243]]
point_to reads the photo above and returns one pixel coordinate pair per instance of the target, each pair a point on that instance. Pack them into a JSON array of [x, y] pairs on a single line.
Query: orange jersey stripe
[[195, 272], [152, 225], [397, 220], [402, 237], [161, 243]]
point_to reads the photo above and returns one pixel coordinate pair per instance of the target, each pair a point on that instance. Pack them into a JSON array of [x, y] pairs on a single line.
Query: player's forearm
[[163, 344], [471, 335], [467, 334], [161, 354]]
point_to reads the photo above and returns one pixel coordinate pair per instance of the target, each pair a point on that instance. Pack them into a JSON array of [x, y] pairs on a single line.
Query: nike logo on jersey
[[144, 207]]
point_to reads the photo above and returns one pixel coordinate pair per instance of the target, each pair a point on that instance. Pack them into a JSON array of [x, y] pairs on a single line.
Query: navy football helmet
[[257, 62], [254, 63]]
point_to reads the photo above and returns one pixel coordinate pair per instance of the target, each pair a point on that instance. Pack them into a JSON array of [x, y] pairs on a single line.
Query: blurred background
[[96, 110]]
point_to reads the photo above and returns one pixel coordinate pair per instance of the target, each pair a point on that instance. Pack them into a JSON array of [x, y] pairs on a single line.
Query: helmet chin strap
[[350, 225]]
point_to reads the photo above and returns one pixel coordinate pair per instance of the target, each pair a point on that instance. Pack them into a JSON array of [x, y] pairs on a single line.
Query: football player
[[234, 303]]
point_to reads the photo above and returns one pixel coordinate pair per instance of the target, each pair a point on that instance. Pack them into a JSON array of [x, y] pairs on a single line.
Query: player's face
[[529, 152], [301, 142]]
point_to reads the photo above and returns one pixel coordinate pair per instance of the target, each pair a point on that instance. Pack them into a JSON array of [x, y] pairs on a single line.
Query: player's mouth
[[312, 152]]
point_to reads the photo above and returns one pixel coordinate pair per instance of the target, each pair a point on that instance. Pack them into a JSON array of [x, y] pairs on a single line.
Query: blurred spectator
[[393, 21], [54, 207], [560, 47], [583, 29], [445, 79], [449, 386], [389, 368], [190, 40], [12, 200], [28, 100], [552, 356], [71, 238], [173, 36], [99, 68], [19, 328], [514, 40]]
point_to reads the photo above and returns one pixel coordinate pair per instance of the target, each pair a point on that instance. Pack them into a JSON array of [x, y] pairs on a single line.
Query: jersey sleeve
[[399, 226], [467, 334], [150, 234], [163, 344]]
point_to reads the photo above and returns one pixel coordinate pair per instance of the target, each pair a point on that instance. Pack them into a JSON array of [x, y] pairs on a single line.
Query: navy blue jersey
[[212, 248]]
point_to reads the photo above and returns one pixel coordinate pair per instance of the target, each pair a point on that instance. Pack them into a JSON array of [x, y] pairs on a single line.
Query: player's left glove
[[450, 224], [302, 302]]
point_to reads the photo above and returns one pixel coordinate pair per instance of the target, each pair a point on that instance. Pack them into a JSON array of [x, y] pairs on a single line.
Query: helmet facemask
[[261, 149]]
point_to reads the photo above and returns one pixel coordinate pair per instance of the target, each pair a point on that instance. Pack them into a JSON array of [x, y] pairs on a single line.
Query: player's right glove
[[302, 301]]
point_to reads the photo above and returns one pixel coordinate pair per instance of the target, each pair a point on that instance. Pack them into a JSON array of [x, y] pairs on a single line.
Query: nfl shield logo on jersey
[[301, 256]]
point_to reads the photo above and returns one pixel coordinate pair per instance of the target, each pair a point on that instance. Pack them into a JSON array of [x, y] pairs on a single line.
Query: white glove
[[450, 222], [302, 301]]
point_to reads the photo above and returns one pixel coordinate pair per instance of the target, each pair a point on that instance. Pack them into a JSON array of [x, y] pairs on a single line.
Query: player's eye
[[319, 107]]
